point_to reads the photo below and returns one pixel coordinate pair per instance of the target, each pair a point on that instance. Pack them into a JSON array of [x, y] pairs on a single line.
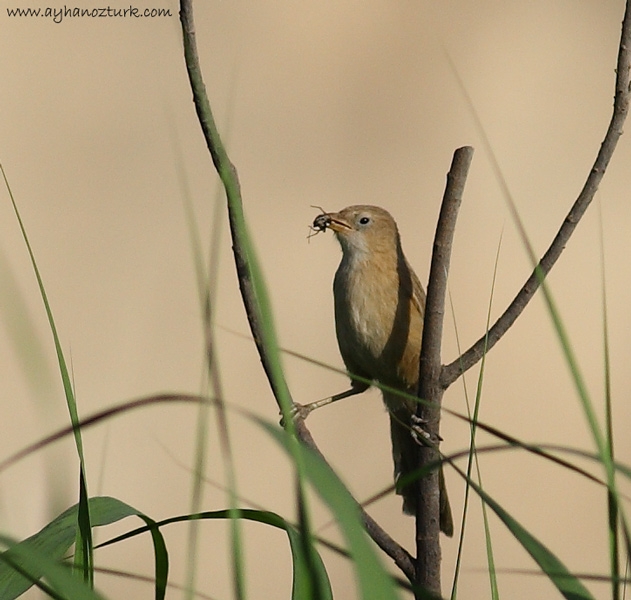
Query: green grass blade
[[269, 351], [478, 399], [581, 204], [84, 553], [612, 503], [84, 531], [568, 584], [161, 558], [600, 438], [41, 554], [473, 457], [373, 581], [28, 565], [250, 280], [305, 570], [207, 286]]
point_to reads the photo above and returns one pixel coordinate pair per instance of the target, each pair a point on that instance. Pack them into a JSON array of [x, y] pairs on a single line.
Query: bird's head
[[361, 230]]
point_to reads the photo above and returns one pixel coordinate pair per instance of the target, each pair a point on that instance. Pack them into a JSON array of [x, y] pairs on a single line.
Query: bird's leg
[[302, 411]]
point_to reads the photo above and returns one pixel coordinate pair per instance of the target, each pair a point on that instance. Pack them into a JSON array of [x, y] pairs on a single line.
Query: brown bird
[[379, 308]]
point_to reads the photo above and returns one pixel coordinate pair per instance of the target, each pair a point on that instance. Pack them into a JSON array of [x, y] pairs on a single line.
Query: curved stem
[[452, 371]]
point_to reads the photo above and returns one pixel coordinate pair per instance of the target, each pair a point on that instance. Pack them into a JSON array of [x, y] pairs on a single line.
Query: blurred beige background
[[322, 103]]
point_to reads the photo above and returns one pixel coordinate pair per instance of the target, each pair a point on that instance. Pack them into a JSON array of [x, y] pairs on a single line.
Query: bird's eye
[[364, 220]]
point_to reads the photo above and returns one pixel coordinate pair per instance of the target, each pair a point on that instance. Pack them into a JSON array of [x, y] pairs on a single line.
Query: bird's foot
[[298, 412], [420, 434]]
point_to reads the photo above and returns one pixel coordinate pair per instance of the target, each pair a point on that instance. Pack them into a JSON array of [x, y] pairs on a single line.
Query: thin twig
[[452, 371], [428, 502]]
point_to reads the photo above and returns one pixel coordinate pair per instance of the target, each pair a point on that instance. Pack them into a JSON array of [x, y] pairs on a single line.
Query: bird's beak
[[332, 221]]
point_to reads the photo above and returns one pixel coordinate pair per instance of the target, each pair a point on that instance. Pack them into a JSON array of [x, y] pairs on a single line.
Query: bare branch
[[428, 503], [441, 254], [452, 371]]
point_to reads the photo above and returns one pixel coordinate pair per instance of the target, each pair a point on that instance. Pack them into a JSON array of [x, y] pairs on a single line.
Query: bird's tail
[[404, 454]]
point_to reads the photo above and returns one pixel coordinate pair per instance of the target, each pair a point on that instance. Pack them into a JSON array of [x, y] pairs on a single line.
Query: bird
[[379, 307]]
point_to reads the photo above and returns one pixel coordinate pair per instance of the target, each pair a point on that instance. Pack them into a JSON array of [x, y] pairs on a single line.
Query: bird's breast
[[376, 322], [364, 306]]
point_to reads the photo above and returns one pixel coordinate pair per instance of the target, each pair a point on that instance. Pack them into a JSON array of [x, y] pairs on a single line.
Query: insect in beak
[[320, 223]]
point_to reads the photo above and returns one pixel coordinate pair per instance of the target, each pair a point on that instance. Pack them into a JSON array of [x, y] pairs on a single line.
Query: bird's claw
[[298, 412], [419, 434]]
